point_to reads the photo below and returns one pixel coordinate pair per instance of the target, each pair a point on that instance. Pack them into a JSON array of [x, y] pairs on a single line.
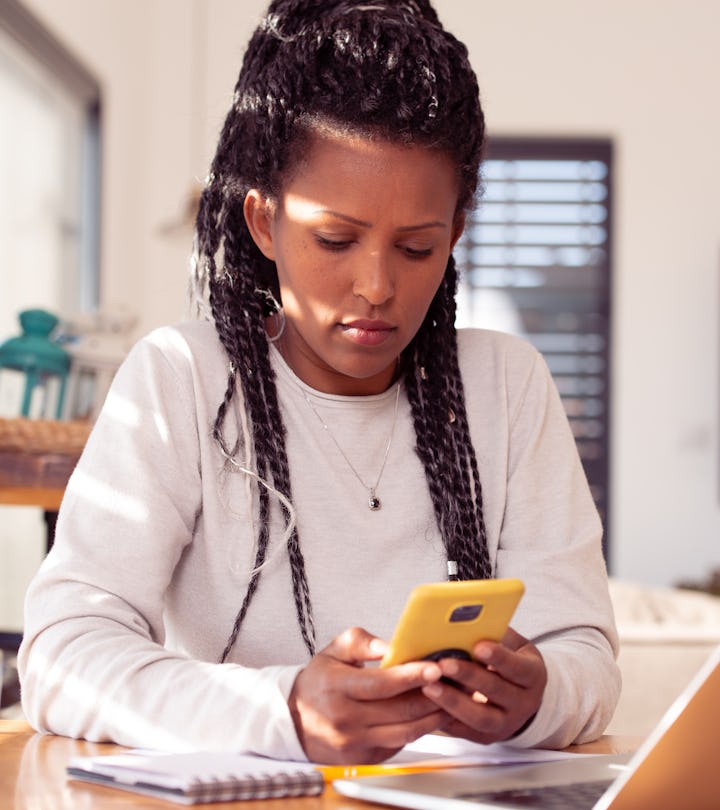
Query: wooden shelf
[[36, 459]]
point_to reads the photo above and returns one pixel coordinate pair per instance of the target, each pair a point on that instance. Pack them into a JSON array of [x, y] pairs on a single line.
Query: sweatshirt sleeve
[[551, 539], [93, 663]]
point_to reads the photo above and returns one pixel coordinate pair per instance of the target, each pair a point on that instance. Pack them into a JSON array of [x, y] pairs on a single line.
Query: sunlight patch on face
[[289, 301], [300, 208]]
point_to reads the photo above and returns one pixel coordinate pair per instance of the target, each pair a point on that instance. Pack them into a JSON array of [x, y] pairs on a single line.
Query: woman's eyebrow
[[435, 223], [344, 217]]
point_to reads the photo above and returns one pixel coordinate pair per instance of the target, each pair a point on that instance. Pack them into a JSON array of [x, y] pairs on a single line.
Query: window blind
[[535, 259]]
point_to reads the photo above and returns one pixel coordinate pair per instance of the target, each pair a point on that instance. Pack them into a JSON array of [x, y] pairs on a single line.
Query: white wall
[[643, 72]]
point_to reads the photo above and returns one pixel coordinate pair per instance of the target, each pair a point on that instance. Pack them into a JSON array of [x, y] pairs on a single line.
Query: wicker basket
[[40, 452]]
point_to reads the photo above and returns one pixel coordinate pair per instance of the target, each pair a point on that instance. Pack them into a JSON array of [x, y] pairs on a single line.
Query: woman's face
[[361, 236]]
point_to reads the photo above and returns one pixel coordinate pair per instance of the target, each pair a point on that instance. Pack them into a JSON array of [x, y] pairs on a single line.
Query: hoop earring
[[277, 312]]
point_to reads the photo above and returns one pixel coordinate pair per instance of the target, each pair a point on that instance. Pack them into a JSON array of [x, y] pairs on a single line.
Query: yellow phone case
[[450, 617]]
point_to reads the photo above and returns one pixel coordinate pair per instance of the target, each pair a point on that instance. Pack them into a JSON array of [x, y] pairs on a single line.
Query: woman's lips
[[368, 333]]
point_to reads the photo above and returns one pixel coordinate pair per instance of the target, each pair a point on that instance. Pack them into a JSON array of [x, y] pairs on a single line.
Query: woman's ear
[[458, 228], [258, 213]]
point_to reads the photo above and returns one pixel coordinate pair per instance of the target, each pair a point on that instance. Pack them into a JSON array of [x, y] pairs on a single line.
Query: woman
[[263, 489]]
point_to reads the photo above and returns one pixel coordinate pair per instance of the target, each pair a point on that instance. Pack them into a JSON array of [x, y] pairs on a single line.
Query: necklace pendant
[[374, 503]]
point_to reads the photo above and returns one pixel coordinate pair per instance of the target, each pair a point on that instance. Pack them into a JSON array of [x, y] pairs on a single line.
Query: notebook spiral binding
[[274, 785]]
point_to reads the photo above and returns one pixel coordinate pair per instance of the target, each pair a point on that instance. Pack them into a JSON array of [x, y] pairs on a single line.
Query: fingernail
[[482, 652], [432, 690], [377, 645]]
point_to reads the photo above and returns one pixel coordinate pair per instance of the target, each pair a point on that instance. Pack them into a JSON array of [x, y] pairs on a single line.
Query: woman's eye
[[417, 253], [332, 244]]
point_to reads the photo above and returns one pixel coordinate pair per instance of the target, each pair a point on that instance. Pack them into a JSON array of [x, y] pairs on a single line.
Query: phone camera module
[[466, 613]]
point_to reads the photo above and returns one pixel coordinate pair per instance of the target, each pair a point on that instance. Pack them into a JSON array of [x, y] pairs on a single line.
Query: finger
[[490, 703], [380, 684], [379, 742], [333, 725], [482, 685], [521, 665], [469, 716], [513, 640], [423, 714], [403, 709], [397, 735], [355, 646], [479, 718], [348, 719]]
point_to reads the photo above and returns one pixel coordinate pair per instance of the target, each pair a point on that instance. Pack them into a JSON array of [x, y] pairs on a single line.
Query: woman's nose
[[374, 280]]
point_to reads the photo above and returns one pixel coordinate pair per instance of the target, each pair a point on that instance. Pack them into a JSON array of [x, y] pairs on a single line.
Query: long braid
[[246, 342], [444, 445], [386, 69]]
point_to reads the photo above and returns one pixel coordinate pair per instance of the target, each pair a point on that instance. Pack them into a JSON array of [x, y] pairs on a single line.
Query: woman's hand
[[497, 696], [347, 713]]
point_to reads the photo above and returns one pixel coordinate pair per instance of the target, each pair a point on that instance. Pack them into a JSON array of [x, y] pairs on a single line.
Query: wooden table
[[32, 777]]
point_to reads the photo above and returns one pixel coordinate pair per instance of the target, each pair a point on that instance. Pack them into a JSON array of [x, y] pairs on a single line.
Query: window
[[49, 223], [535, 260], [49, 162]]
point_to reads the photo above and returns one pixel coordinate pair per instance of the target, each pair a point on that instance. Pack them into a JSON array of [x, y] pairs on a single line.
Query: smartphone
[[446, 619]]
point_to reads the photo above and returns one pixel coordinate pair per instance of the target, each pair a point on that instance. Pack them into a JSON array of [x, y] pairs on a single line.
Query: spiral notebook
[[208, 776], [199, 777]]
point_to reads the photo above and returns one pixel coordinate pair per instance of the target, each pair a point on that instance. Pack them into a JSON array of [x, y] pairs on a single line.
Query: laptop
[[677, 766]]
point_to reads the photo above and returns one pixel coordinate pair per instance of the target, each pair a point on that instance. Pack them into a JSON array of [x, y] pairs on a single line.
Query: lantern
[[33, 369], [97, 345]]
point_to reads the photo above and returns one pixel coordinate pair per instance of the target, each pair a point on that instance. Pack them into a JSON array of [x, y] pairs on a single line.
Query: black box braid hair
[[386, 70]]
